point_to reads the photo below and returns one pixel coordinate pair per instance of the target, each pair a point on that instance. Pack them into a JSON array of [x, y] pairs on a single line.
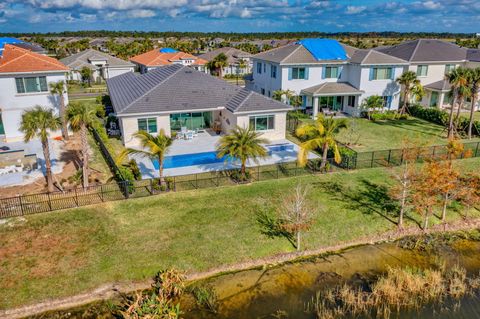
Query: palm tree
[[242, 144], [459, 80], [320, 134], [37, 123], [373, 103], [283, 95], [475, 87], [218, 63], [82, 117], [59, 88], [154, 147], [241, 65], [86, 74], [409, 81]]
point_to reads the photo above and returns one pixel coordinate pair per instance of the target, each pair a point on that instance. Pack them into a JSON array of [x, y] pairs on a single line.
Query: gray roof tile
[[368, 57], [85, 56], [327, 88], [426, 50], [177, 88]]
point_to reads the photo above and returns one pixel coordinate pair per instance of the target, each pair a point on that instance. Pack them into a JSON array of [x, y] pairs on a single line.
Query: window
[[298, 73], [387, 101], [332, 72], [332, 102], [382, 74], [351, 101], [268, 93], [259, 67], [264, 68], [273, 71], [434, 99], [262, 122], [422, 70], [262, 91], [31, 84], [449, 68], [148, 125]]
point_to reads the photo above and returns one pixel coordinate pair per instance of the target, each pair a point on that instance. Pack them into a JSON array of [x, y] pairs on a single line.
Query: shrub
[[132, 164], [348, 155], [206, 297]]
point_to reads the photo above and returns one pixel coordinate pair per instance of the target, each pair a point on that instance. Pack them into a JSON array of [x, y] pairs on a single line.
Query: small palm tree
[[242, 144], [283, 95], [218, 63], [474, 88], [320, 135], [242, 64], [409, 81], [460, 81], [154, 147], [37, 123], [86, 74], [372, 103], [59, 88], [82, 117]]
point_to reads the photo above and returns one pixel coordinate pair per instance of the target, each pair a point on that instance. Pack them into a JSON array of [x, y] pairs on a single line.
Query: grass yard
[[384, 135], [66, 252], [476, 115]]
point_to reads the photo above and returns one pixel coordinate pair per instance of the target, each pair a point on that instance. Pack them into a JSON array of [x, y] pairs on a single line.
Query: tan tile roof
[[15, 59], [157, 58], [329, 88]]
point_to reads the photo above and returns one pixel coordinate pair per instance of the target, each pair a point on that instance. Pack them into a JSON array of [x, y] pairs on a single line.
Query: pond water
[[283, 291]]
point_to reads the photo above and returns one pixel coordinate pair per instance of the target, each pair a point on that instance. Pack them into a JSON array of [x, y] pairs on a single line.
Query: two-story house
[[24, 82], [328, 75], [431, 60], [165, 56]]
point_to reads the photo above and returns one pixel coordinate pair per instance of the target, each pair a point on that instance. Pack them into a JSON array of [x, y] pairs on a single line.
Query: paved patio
[[28, 176], [206, 142]]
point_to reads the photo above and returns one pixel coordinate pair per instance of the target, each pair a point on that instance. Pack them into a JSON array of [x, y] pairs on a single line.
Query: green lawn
[[384, 135], [63, 253], [476, 115]]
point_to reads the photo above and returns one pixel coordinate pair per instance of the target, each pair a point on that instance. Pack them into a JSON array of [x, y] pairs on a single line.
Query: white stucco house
[[24, 82], [103, 66], [234, 57], [175, 97], [328, 75]]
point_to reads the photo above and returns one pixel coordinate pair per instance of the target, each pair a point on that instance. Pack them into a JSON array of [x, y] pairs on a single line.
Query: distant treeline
[[239, 36]]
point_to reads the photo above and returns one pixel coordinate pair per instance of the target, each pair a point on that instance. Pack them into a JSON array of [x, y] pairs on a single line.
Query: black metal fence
[[395, 157], [45, 202]]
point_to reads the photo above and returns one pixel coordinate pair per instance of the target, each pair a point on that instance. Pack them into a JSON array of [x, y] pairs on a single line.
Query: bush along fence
[[125, 189]]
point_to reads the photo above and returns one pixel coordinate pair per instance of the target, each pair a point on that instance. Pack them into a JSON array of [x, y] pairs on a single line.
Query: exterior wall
[[380, 87], [111, 72], [13, 104], [280, 125], [264, 80], [129, 126], [229, 121], [435, 73]]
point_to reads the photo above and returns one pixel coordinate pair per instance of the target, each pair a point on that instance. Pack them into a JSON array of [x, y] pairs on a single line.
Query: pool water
[[204, 158]]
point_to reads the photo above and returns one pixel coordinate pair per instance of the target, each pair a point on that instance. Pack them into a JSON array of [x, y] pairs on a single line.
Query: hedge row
[[441, 117]]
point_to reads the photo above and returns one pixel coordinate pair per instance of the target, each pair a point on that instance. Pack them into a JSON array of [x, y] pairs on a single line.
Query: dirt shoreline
[[111, 290]]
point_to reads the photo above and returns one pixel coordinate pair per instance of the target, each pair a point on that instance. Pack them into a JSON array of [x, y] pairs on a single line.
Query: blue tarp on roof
[[4, 41], [324, 49], [168, 50]]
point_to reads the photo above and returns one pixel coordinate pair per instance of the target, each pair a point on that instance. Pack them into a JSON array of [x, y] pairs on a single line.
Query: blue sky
[[240, 15]]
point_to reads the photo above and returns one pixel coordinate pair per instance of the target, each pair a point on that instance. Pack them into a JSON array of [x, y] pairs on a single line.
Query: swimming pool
[[184, 160]]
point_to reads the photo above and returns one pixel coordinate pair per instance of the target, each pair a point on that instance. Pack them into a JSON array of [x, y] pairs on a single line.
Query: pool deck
[[206, 142]]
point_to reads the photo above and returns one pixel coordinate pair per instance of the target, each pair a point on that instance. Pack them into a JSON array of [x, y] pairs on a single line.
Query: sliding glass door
[[2, 129], [334, 103], [190, 121]]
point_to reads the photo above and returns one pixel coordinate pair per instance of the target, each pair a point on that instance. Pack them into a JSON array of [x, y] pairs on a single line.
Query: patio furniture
[[189, 135], [328, 112], [195, 132]]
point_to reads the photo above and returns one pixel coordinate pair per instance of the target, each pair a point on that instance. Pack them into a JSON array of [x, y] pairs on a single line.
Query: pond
[[283, 291]]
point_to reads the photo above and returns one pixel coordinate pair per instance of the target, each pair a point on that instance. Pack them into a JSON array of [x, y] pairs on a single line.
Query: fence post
[[126, 190], [258, 173], [373, 159], [218, 179], [278, 168], [49, 201], [76, 196], [433, 151], [476, 149], [101, 193], [296, 165], [196, 181], [21, 204], [389, 156], [174, 184]]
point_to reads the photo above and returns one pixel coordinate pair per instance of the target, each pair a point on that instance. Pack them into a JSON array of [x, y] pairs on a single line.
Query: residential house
[[431, 60], [24, 83], [175, 97], [327, 75], [103, 66], [166, 56], [234, 57], [22, 44]]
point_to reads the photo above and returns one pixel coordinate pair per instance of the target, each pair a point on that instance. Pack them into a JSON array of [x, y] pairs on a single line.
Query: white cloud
[[141, 13], [355, 9]]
